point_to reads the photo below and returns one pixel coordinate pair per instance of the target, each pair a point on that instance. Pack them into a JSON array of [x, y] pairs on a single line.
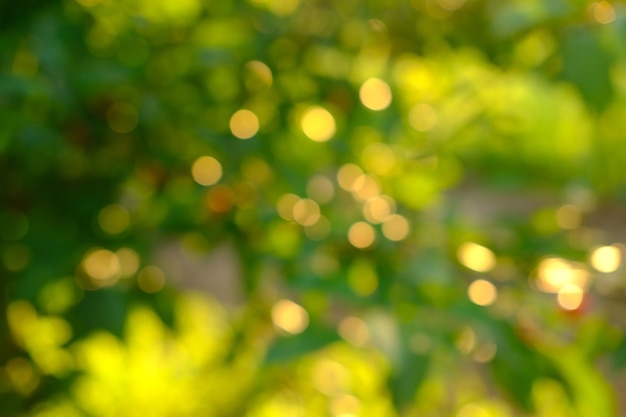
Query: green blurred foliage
[[408, 186]]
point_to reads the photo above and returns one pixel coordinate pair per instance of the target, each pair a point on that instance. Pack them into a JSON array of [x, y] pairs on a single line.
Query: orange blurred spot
[[244, 124], [482, 292], [375, 94], [220, 198], [361, 235]]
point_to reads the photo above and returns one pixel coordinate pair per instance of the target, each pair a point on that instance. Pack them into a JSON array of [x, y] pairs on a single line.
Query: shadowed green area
[[309, 208]]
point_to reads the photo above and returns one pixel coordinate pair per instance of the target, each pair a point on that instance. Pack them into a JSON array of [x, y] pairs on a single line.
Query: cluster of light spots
[[375, 94], [129, 261], [555, 273], [396, 227], [318, 124], [244, 124], [603, 12], [450, 5], [289, 317], [220, 199], [570, 296], [347, 175], [476, 257], [114, 219], [378, 158], [122, 117], [285, 206], [206, 170], [354, 330], [319, 230], [568, 217], [306, 212], [329, 377], [102, 266], [320, 189], [260, 75], [378, 209], [606, 258], [365, 187], [422, 117], [151, 279], [482, 292], [361, 235]]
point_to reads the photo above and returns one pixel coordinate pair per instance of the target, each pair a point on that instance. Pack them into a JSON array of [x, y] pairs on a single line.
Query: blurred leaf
[[586, 63], [287, 348]]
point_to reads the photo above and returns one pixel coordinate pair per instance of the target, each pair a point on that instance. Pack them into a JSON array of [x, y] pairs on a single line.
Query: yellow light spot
[[473, 410], [378, 209], [362, 277], [606, 258], [114, 219], [151, 279], [129, 261], [345, 405], [319, 230], [568, 217], [365, 187], [122, 117], [279, 7], [285, 206], [21, 375], [482, 292], [329, 377], [375, 94], [320, 189], [361, 235], [422, 117], [306, 212], [570, 297], [554, 273], [101, 265], [485, 353], [378, 158], [206, 170], [396, 227], [260, 75], [476, 257], [318, 124], [256, 171], [289, 317], [451, 5], [220, 198], [603, 12], [347, 176], [354, 330], [466, 340], [244, 124]]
